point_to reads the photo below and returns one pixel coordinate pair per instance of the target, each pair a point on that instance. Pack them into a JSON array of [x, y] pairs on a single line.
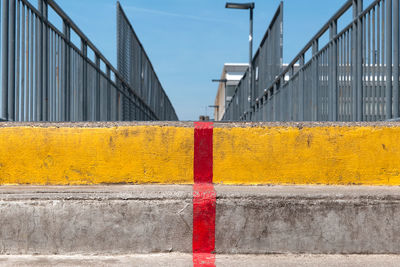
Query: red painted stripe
[[204, 196], [203, 152], [203, 260], [204, 199]]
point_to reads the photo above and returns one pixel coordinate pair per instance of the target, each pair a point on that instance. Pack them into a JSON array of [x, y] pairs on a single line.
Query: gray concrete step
[[185, 260], [115, 220]]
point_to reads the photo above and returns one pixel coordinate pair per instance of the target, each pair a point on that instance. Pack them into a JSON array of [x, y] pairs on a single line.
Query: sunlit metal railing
[[46, 77], [354, 77]]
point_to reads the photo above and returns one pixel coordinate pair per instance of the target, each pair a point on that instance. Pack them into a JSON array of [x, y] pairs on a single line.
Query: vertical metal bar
[[265, 104], [251, 61], [368, 73], [314, 79], [4, 59], [364, 69], [36, 46], [18, 61], [45, 62], [274, 102], [23, 41], [382, 88], [39, 66], [359, 48], [378, 90], [67, 73], [389, 61], [97, 90], [290, 98], [374, 67], [301, 89], [11, 63], [354, 61], [32, 52], [396, 58], [85, 104], [51, 77], [333, 77], [108, 72]]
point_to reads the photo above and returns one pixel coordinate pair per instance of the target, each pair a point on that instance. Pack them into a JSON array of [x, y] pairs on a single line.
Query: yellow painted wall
[[318, 155], [59, 156], [155, 154]]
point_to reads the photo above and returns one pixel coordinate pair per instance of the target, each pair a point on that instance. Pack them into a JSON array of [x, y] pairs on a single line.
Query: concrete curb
[[185, 260], [152, 219]]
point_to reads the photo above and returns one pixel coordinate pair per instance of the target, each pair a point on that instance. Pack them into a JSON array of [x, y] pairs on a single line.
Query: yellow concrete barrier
[[310, 155], [67, 155], [335, 155]]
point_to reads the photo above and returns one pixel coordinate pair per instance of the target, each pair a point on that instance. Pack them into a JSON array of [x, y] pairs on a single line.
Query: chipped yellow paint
[[156, 154], [317, 155], [76, 156]]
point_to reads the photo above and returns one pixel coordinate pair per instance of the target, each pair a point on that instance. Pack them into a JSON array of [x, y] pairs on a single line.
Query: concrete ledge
[[152, 219]]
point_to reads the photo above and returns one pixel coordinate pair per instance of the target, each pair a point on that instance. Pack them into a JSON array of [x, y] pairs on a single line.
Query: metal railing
[[46, 77], [136, 68], [354, 77], [267, 64]]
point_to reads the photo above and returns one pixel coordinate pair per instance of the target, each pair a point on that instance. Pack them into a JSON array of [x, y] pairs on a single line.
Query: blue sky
[[188, 41]]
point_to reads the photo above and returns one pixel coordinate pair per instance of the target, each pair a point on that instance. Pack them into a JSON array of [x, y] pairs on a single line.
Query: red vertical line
[[203, 152], [204, 196]]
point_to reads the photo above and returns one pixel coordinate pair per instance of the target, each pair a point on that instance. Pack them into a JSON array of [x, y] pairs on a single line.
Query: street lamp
[[249, 6]]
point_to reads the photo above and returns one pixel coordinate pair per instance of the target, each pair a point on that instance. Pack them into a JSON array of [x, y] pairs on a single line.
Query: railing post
[[332, 115], [85, 103], [44, 68], [67, 78], [282, 100], [11, 62], [354, 63], [290, 100], [360, 97], [389, 62], [4, 60], [314, 79], [108, 72], [301, 89], [265, 106], [119, 99], [274, 103], [39, 65], [97, 90], [396, 43], [357, 79]]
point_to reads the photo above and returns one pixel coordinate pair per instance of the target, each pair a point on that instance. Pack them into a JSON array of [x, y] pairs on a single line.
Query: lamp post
[[249, 6]]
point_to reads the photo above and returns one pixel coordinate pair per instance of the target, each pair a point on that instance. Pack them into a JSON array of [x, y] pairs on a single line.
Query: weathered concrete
[[152, 219], [106, 220], [308, 219], [185, 260]]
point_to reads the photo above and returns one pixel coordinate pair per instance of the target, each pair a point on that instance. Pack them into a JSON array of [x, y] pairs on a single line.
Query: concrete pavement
[[185, 260]]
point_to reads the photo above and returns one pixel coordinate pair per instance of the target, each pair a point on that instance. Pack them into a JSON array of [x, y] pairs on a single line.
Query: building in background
[[232, 73]]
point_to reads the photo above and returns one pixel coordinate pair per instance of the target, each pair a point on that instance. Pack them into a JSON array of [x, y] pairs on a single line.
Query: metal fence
[[267, 64], [136, 68], [46, 77], [354, 77]]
